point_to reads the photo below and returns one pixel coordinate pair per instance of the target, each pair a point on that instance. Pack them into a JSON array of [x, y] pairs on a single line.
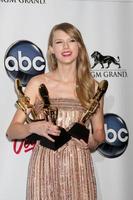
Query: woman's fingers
[[51, 129], [46, 129]]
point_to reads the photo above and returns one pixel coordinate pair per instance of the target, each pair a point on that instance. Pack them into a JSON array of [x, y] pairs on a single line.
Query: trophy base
[[32, 139], [59, 140], [77, 131]]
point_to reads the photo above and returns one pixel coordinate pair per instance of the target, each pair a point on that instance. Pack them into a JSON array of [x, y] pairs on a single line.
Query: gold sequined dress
[[65, 174]]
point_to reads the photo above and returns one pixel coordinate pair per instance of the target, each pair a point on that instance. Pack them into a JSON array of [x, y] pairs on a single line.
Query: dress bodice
[[69, 111]]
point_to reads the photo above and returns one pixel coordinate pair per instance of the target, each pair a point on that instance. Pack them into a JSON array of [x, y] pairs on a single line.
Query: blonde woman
[[67, 173]]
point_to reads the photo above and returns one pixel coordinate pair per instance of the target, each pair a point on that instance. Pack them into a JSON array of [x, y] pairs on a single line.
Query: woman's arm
[[18, 129], [97, 123]]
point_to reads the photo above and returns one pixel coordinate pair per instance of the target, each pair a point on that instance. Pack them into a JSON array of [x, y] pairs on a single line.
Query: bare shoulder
[[37, 80], [33, 82]]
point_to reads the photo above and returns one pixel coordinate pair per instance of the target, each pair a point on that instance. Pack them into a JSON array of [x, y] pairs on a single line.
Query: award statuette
[[23, 103], [78, 130], [52, 114], [95, 101]]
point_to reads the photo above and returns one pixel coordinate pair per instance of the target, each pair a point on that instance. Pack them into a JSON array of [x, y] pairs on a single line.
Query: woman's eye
[[72, 40], [58, 42]]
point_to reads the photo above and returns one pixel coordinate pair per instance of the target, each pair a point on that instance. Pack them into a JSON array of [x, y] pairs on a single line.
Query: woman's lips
[[66, 53]]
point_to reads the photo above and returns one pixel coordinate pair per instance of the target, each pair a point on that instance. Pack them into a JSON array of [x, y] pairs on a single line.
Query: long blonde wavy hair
[[85, 84]]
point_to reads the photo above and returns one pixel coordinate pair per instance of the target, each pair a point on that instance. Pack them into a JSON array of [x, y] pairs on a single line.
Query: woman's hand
[[45, 129]]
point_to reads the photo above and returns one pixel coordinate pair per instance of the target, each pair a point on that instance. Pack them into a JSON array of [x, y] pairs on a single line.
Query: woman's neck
[[65, 73]]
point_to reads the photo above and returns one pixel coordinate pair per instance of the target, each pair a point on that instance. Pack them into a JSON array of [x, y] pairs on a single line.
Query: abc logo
[[116, 136], [24, 60]]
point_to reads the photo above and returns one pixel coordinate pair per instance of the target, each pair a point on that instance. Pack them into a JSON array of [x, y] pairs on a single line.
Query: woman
[[67, 173]]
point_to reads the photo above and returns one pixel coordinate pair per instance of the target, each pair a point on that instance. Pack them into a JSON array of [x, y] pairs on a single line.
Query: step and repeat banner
[[107, 29]]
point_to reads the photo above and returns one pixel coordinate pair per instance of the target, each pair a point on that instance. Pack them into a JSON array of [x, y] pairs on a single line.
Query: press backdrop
[[107, 28]]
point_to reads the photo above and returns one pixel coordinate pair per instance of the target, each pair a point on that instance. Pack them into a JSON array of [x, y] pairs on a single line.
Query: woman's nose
[[66, 45]]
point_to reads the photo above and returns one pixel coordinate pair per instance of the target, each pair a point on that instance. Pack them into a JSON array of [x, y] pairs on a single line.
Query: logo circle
[[23, 60], [116, 136]]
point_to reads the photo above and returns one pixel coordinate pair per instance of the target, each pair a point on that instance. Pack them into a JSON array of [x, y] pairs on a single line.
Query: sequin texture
[[65, 174]]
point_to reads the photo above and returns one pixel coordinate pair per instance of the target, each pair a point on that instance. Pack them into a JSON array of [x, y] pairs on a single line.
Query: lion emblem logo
[[102, 60]]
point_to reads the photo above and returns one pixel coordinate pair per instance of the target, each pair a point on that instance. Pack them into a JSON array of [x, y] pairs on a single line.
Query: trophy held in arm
[[23, 103], [78, 130], [52, 114]]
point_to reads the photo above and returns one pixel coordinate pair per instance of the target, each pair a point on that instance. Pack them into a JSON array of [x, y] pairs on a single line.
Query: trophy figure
[[23, 102], [95, 101], [51, 115], [78, 130]]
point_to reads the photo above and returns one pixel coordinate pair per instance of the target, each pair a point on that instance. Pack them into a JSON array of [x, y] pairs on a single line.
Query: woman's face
[[64, 47]]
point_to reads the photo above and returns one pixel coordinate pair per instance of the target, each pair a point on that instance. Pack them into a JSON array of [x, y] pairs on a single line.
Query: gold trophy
[[50, 114], [78, 130], [23, 102], [95, 101]]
